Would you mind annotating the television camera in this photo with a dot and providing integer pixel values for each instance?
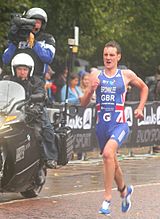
(20, 28)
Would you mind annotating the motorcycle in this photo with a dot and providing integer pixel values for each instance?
(20, 164)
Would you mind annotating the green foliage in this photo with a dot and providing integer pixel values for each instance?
(134, 24)
(7, 8)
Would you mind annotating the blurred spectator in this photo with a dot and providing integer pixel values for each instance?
(60, 82)
(80, 74)
(128, 94)
(151, 83)
(94, 69)
(84, 83)
(74, 91)
(157, 85)
(50, 86)
(156, 149)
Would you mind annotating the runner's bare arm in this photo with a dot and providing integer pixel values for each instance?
(134, 80)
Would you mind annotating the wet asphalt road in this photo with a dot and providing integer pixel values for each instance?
(76, 192)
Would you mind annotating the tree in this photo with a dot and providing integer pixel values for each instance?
(7, 8)
(134, 24)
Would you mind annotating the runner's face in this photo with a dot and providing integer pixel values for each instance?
(110, 57)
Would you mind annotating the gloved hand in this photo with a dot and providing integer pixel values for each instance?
(24, 32)
(19, 33)
(12, 35)
(27, 27)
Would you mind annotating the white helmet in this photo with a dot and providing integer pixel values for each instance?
(22, 59)
(37, 13)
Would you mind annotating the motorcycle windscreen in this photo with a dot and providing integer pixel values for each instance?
(10, 93)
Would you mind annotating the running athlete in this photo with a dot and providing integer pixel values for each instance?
(112, 129)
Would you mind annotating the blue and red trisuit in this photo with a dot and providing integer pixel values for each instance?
(110, 99)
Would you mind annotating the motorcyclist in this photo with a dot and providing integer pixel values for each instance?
(31, 39)
(22, 67)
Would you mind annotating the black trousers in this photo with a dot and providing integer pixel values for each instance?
(49, 149)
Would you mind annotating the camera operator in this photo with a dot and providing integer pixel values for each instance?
(27, 35)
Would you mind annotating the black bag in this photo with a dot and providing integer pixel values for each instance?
(64, 143)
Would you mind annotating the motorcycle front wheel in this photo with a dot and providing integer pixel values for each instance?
(32, 192)
(39, 182)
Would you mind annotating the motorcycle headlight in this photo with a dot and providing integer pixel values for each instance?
(2, 121)
(5, 121)
(10, 118)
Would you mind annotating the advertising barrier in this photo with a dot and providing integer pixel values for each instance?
(144, 132)
(82, 124)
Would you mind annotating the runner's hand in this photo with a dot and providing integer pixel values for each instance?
(94, 82)
(138, 113)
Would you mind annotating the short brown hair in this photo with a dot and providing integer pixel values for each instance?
(114, 44)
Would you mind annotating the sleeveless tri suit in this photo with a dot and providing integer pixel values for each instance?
(110, 99)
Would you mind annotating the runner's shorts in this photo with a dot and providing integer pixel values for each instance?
(106, 131)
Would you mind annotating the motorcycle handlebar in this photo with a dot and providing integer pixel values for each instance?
(21, 105)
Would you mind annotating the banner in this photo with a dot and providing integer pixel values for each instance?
(144, 132)
(82, 124)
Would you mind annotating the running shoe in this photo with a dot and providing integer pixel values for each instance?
(105, 209)
(126, 202)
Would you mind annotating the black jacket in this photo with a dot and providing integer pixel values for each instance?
(33, 85)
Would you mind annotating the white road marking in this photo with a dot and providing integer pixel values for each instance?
(74, 194)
